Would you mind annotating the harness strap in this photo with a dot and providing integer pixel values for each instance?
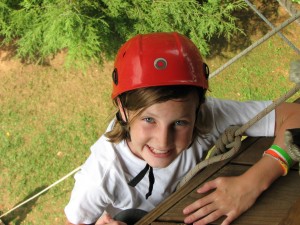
(134, 181)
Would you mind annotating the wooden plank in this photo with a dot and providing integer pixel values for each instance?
(274, 203)
(189, 187)
(293, 216)
(254, 152)
(269, 209)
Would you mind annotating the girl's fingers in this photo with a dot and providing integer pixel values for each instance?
(208, 186)
(209, 218)
(203, 212)
(200, 203)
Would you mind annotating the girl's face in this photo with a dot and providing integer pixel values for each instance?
(162, 131)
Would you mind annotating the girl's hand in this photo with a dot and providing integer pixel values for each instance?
(106, 219)
(231, 197)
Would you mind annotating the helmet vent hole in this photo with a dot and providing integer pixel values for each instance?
(206, 70)
(160, 63)
(115, 76)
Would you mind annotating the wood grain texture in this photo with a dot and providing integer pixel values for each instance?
(270, 208)
(293, 215)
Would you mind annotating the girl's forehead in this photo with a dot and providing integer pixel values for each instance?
(175, 106)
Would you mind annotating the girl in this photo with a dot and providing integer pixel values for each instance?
(163, 127)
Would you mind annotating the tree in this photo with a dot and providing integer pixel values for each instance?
(93, 30)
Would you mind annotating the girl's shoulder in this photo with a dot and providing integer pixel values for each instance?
(216, 104)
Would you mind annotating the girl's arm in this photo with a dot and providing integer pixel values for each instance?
(234, 195)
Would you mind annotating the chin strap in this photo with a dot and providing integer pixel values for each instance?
(140, 176)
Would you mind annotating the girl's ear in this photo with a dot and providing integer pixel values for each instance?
(121, 110)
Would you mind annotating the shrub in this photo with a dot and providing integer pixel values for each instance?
(93, 30)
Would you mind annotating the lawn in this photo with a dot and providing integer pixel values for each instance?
(50, 116)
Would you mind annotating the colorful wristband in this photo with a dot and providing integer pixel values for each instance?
(283, 165)
(276, 155)
(283, 154)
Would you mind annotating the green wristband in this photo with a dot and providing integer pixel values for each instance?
(284, 154)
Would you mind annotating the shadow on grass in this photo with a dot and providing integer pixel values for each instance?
(21, 213)
(251, 24)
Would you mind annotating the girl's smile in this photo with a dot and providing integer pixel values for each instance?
(162, 131)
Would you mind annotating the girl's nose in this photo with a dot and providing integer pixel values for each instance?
(164, 138)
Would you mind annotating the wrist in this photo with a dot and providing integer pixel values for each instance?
(281, 156)
(262, 174)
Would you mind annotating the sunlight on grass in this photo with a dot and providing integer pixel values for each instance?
(262, 74)
(50, 117)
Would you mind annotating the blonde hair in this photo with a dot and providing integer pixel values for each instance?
(139, 99)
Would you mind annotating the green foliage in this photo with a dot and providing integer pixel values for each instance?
(4, 17)
(93, 30)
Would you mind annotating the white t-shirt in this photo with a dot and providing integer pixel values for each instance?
(101, 184)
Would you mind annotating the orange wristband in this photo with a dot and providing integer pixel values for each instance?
(282, 163)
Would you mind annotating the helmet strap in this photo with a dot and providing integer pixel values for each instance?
(141, 175)
(121, 114)
(120, 120)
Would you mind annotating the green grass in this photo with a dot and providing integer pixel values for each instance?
(262, 74)
(50, 117)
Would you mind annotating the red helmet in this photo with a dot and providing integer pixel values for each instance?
(158, 59)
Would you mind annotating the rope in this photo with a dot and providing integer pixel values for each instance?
(260, 41)
(231, 138)
(288, 6)
(272, 26)
(41, 192)
(292, 148)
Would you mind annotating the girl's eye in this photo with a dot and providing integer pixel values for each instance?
(149, 120)
(181, 123)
